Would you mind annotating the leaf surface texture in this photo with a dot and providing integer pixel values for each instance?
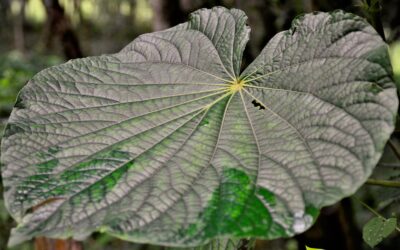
(166, 142)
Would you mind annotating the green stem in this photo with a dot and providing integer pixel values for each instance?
(369, 208)
(372, 210)
(383, 183)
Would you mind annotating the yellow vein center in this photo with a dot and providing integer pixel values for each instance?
(236, 85)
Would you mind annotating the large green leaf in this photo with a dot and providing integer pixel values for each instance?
(168, 143)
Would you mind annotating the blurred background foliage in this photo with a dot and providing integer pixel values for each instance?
(36, 34)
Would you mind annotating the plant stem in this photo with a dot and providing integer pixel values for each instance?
(369, 208)
(373, 210)
(383, 183)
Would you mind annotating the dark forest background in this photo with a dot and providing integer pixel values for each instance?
(35, 34)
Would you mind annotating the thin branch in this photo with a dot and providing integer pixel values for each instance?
(372, 210)
(383, 183)
(369, 208)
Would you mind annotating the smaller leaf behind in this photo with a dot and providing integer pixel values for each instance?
(377, 229)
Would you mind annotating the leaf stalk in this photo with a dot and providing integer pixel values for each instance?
(383, 183)
(376, 213)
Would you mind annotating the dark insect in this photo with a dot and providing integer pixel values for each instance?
(257, 104)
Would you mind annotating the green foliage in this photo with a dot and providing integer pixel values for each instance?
(384, 194)
(168, 142)
(377, 229)
(15, 71)
(371, 6)
(388, 168)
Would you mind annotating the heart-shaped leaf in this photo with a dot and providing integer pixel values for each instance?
(377, 229)
(168, 143)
